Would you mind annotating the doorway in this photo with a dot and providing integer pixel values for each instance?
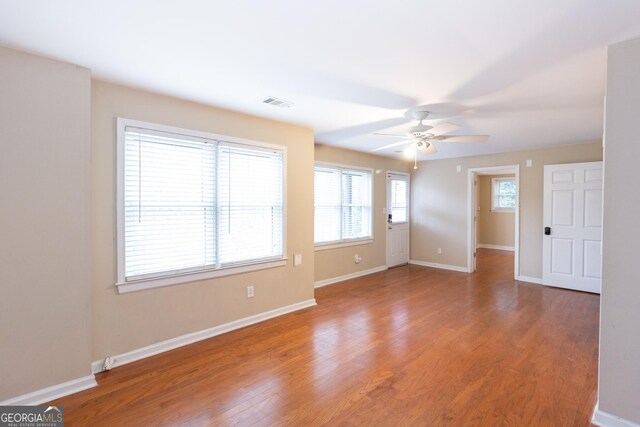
(494, 212)
(397, 218)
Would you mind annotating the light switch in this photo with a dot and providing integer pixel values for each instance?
(297, 259)
(529, 163)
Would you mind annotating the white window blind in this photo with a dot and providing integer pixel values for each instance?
(327, 204)
(169, 203)
(250, 204)
(342, 202)
(192, 204)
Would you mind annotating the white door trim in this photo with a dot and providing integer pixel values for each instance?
(386, 210)
(471, 204)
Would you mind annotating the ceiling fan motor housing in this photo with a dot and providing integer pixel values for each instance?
(419, 130)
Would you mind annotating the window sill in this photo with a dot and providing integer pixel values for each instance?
(343, 244)
(503, 210)
(139, 285)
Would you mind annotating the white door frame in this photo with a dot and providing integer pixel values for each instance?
(386, 210)
(471, 212)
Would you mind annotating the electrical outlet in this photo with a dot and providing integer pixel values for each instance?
(439, 251)
(357, 259)
(249, 291)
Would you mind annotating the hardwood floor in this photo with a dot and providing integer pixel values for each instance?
(408, 346)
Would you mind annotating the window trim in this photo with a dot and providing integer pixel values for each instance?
(494, 180)
(125, 286)
(334, 244)
(344, 244)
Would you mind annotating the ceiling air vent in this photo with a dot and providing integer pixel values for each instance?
(276, 102)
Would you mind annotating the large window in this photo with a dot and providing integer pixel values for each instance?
(342, 201)
(503, 194)
(191, 203)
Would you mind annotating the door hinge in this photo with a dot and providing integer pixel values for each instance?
(474, 254)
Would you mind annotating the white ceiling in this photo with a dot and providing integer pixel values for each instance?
(529, 74)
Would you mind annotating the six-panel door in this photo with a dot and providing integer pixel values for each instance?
(573, 212)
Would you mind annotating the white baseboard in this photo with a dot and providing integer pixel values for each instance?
(55, 391)
(529, 279)
(331, 281)
(441, 266)
(498, 247)
(604, 419)
(186, 339)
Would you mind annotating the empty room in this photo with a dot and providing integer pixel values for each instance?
(290, 213)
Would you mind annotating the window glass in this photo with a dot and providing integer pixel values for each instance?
(398, 188)
(342, 201)
(192, 204)
(504, 194)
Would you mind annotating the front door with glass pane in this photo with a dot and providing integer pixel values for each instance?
(397, 219)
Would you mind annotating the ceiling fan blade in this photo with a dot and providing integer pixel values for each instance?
(360, 130)
(395, 144)
(462, 138)
(443, 128)
(389, 134)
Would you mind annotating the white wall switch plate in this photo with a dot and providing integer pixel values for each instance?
(297, 259)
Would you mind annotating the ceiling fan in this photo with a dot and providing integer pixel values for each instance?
(423, 136)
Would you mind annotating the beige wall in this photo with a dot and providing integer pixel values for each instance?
(44, 244)
(619, 385)
(125, 322)
(439, 203)
(494, 228)
(332, 263)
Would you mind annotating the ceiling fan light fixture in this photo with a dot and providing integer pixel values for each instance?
(409, 152)
(422, 144)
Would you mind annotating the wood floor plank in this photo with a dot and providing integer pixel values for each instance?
(408, 346)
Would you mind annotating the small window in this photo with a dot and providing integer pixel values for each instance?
(399, 192)
(342, 204)
(503, 194)
(193, 206)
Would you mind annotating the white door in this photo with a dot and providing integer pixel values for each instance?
(397, 218)
(572, 226)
